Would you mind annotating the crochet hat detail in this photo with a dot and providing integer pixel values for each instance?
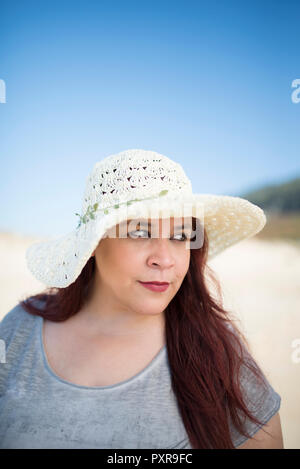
(136, 184)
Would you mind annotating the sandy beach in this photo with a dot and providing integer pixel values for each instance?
(261, 286)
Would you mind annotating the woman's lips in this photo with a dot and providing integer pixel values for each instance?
(155, 287)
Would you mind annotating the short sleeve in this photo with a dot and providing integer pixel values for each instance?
(262, 401)
(13, 327)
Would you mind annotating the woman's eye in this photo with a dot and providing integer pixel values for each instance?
(182, 236)
(133, 234)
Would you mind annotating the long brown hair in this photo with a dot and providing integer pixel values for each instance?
(205, 349)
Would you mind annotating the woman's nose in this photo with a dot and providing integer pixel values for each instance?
(161, 252)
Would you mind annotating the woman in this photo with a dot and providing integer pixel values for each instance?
(104, 358)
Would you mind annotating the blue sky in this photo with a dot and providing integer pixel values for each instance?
(207, 84)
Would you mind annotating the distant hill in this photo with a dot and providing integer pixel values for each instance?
(278, 199)
(281, 204)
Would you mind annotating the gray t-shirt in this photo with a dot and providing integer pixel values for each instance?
(38, 409)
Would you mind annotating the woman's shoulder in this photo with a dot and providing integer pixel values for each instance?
(15, 320)
(16, 330)
(15, 315)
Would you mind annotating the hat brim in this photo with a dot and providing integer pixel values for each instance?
(226, 219)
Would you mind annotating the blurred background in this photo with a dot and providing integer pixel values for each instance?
(211, 85)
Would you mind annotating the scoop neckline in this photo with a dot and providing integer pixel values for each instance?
(134, 378)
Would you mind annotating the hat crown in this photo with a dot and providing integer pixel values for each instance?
(133, 174)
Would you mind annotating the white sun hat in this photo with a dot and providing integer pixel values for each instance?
(136, 184)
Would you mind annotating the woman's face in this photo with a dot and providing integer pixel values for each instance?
(122, 262)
